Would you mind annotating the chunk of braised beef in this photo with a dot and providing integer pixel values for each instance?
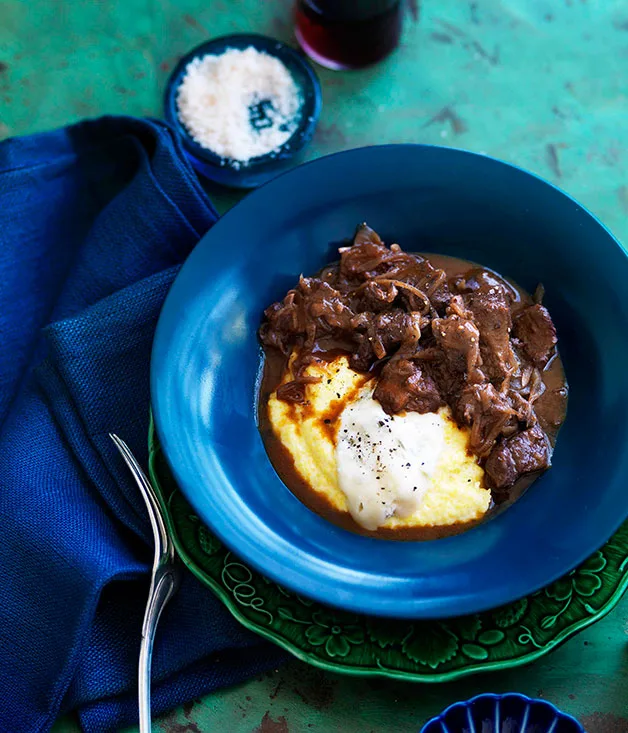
(500, 467)
(394, 328)
(450, 381)
(531, 450)
(325, 306)
(525, 452)
(408, 330)
(491, 313)
(284, 323)
(366, 257)
(440, 298)
(363, 358)
(535, 332)
(422, 275)
(376, 297)
(489, 415)
(481, 280)
(311, 309)
(392, 331)
(404, 385)
(427, 277)
(459, 340)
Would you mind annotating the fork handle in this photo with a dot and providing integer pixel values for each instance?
(162, 587)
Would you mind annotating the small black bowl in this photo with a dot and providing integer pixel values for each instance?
(264, 167)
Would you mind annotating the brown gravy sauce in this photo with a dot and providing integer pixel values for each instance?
(550, 409)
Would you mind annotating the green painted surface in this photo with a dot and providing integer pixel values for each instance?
(588, 677)
(541, 83)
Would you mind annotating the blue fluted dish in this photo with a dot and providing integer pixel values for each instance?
(206, 362)
(261, 169)
(509, 713)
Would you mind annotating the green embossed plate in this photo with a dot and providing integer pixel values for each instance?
(425, 651)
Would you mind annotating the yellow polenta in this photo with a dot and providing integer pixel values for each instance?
(457, 492)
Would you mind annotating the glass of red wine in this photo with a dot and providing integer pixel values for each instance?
(348, 34)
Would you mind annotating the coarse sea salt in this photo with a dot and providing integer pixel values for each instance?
(240, 104)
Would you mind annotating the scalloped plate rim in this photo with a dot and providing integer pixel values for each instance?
(330, 666)
(560, 715)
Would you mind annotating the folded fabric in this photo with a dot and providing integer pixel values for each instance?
(94, 221)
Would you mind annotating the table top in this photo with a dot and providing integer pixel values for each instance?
(540, 83)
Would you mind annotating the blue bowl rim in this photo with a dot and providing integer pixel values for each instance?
(498, 698)
(311, 109)
(293, 579)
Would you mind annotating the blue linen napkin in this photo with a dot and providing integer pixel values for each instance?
(94, 221)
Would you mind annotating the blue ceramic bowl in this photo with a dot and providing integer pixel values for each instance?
(510, 713)
(206, 364)
(261, 169)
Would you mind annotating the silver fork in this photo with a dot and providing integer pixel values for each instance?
(163, 583)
